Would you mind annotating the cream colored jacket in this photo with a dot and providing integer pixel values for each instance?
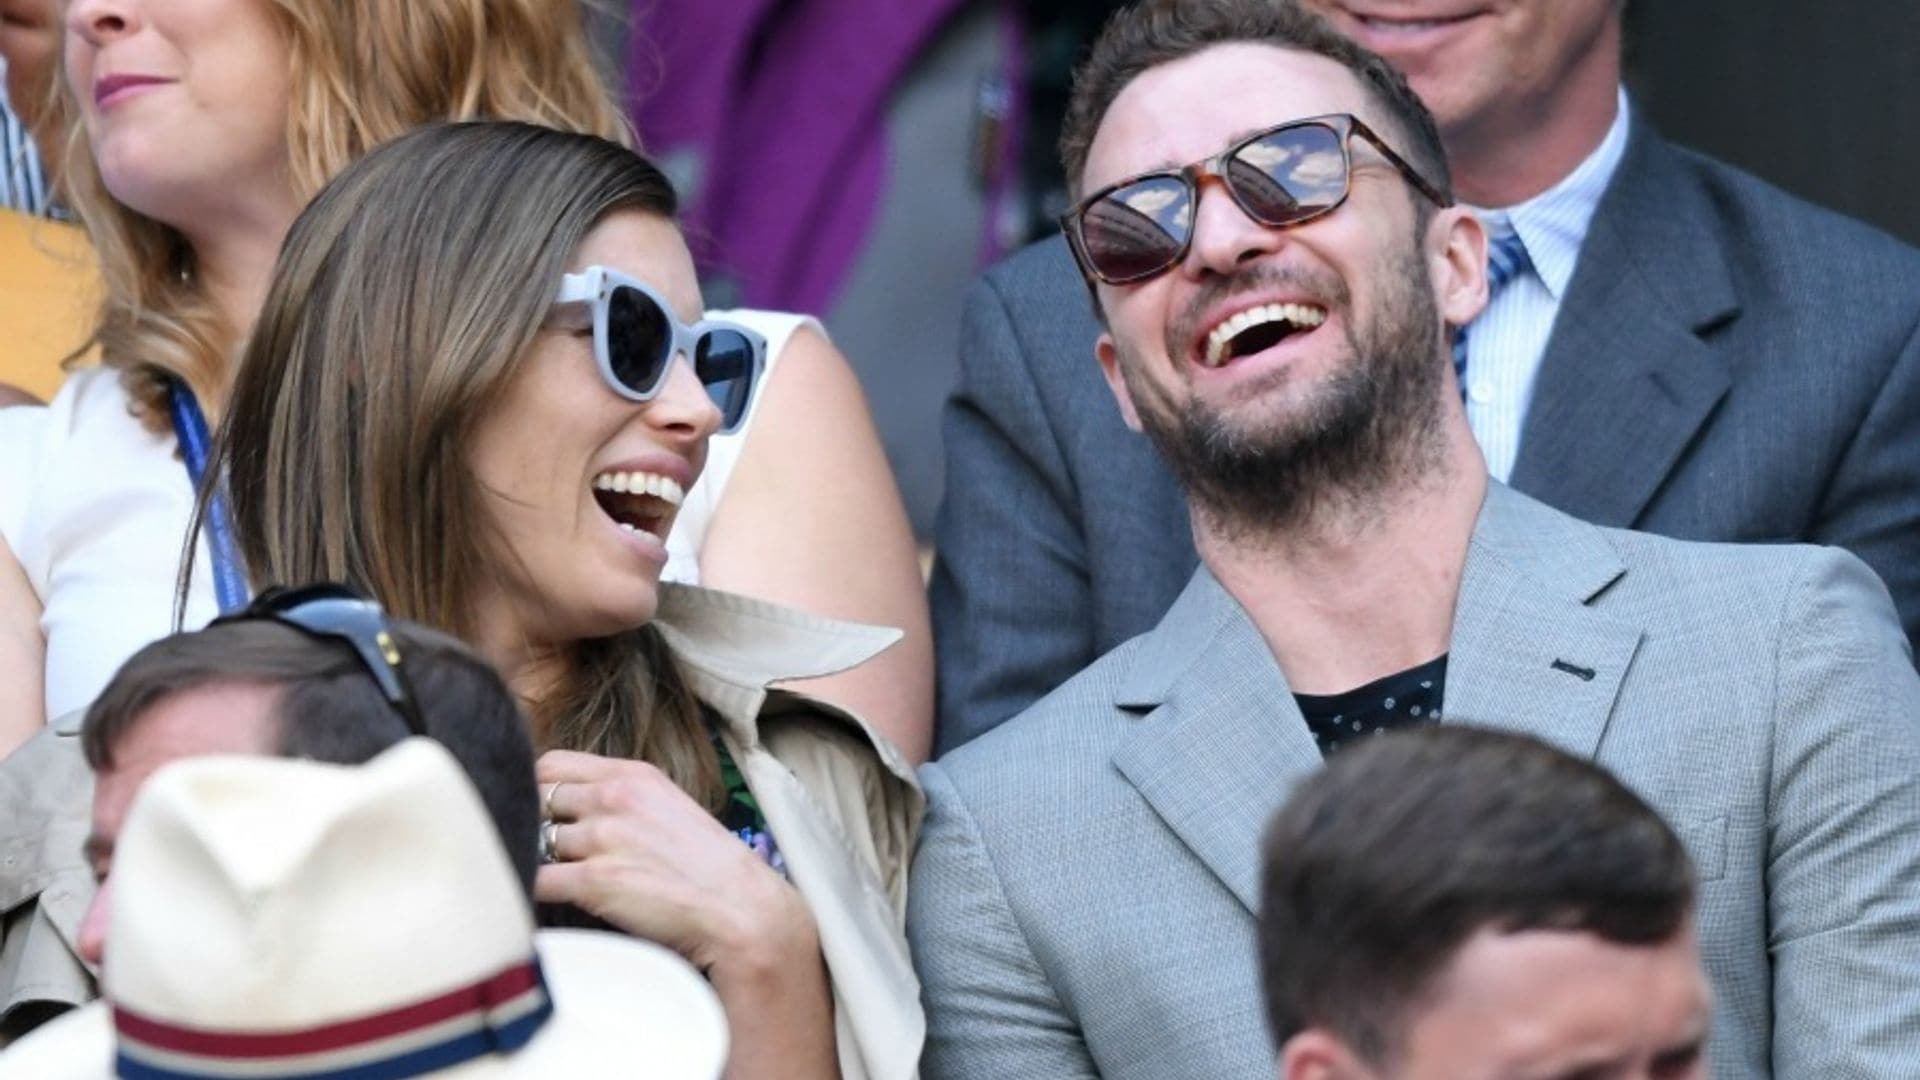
(840, 801)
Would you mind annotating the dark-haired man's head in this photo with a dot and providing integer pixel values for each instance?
(259, 687)
(1276, 366)
(1152, 33)
(1458, 904)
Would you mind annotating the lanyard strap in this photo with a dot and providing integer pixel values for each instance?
(190, 427)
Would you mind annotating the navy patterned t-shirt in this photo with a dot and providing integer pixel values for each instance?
(1402, 700)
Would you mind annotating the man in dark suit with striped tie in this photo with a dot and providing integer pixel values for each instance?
(1678, 348)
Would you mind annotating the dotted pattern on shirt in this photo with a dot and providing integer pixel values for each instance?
(1402, 700)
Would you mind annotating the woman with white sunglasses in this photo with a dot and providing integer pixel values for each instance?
(480, 377)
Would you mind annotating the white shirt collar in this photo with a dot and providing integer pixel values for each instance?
(1553, 224)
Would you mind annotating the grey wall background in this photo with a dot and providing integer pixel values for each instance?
(1821, 97)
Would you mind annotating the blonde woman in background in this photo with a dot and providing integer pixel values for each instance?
(196, 131)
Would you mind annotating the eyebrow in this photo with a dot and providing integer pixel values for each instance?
(1238, 137)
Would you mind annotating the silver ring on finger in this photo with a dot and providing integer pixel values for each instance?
(546, 801)
(549, 842)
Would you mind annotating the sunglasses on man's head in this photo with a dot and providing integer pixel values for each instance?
(636, 337)
(331, 612)
(1282, 177)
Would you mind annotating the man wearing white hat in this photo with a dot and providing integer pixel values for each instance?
(280, 918)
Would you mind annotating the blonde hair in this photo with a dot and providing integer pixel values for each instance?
(364, 72)
(406, 297)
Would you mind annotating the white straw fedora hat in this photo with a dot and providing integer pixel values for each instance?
(276, 919)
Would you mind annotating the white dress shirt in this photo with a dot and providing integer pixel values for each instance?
(1506, 342)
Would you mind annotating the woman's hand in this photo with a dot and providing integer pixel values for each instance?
(630, 847)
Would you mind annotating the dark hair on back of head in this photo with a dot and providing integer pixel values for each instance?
(1150, 33)
(330, 709)
(1382, 865)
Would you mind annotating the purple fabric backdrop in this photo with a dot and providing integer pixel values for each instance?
(783, 105)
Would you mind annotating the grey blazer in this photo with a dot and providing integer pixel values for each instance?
(1729, 363)
(1082, 903)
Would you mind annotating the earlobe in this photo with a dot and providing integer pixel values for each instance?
(1460, 265)
(1108, 354)
(1315, 1054)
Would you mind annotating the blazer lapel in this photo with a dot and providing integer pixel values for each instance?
(1627, 381)
(1528, 652)
(1221, 742)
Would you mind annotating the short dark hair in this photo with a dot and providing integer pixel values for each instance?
(330, 709)
(1384, 863)
(1150, 33)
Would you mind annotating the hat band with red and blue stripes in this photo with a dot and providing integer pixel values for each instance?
(496, 1015)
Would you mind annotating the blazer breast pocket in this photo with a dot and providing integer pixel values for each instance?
(1706, 844)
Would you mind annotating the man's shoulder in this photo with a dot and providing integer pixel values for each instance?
(1740, 597)
(1725, 597)
(1775, 235)
(1040, 293)
(1043, 267)
(1057, 741)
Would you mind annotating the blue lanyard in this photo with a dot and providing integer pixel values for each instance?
(190, 426)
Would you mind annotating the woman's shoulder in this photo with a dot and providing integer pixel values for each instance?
(91, 419)
(68, 468)
(92, 403)
(89, 407)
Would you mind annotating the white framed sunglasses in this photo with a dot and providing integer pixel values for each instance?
(636, 337)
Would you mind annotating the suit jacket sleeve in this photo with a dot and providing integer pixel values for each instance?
(1844, 852)
(1872, 505)
(991, 1012)
(1011, 597)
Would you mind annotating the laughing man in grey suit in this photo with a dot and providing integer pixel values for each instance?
(1082, 900)
(1686, 351)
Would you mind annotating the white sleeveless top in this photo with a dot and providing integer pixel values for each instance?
(95, 508)
(689, 535)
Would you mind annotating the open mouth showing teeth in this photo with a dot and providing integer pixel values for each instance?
(639, 501)
(1258, 329)
(1409, 26)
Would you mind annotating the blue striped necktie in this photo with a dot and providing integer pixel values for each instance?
(1506, 258)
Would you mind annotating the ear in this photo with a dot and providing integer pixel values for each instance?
(1109, 356)
(1457, 260)
(1318, 1054)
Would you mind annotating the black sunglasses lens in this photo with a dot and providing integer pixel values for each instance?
(639, 339)
(1137, 230)
(723, 360)
(1291, 175)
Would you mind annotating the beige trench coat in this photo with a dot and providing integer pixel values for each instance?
(840, 801)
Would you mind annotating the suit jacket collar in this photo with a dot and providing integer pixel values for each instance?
(1627, 380)
(1222, 742)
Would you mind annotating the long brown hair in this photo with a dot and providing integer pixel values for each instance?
(364, 71)
(406, 297)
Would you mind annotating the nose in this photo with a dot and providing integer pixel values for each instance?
(681, 411)
(100, 21)
(1224, 237)
(92, 938)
